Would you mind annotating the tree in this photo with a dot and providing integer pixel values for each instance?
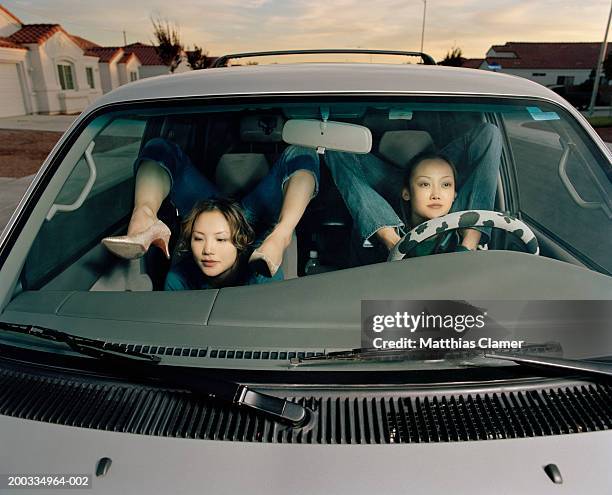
(454, 57)
(169, 46)
(198, 58)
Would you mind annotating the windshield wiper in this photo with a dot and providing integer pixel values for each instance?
(238, 395)
(82, 345)
(562, 364)
(371, 354)
(225, 390)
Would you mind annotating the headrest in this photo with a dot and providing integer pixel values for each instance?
(262, 129)
(399, 147)
(238, 173)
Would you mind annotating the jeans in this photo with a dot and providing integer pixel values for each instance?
(371, 188)
(188, 185)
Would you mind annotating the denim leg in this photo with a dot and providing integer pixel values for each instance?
(369, 187)
(187, 184)
(479, 153)
(263, 204)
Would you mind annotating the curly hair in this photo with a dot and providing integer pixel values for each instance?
(242, 234)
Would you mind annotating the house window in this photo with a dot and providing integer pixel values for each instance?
(565, 80)
(133, 76)
(65, 76)
(90, 77)
(539, 74)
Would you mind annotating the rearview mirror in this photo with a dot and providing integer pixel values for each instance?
(338, 136)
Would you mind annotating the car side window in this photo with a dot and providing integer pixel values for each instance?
(564, 186)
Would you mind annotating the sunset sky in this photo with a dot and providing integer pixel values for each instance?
(225, 26)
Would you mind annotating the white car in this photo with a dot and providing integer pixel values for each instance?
(108, 381)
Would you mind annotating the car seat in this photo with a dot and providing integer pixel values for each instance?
(399, 147)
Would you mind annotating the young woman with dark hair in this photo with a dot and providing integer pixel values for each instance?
(273, 208)
(375, 191)
(214, 249)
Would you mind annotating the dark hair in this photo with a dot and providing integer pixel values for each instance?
(410, 168)
(242, 234)
(421, 157)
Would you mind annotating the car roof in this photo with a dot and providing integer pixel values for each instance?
(327, 78)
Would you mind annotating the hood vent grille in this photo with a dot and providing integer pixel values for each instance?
(199, 352)
(348, 419)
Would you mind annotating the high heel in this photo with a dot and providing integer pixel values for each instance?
(263, 265)
(134, 246)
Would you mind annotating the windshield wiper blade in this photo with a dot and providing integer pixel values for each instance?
(581, 366)
(82, 345)
(235, 393)
(372, 354)
(361, 354)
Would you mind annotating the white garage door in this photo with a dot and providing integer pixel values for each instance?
(11, 99)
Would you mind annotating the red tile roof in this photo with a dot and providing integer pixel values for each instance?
(6, 43)
(36, 33)
(11, 15)
(547, 55)
(106, 54)
(472, 63)
(127, 56)
(83, 43)
(147, 54)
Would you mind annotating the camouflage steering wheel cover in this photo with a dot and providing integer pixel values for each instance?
(461, 220)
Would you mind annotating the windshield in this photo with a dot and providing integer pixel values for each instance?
(244, 234)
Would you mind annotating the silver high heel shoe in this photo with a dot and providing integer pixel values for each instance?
(135, 246)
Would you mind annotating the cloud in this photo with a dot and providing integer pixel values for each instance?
(224, 26)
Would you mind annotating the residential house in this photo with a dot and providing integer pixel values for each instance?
(120, 65)
(44, 69)
(14, 80)
(151, 63)
(473, 63)
(117, 67)
(550, 64)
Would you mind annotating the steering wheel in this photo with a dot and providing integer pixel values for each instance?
(464, 220)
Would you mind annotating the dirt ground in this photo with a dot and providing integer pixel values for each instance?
(22, 152)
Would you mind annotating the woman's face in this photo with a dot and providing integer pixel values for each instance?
(211, 243)
(432, 190)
